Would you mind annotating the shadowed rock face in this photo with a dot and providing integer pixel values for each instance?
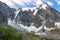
(27, 17)
(49, 15)
(6, 12)
(50, 24)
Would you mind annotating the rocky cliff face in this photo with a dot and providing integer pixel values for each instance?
(35, 17)
(6, 11)
(47, 14)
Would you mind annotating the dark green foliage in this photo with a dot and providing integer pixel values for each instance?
(8, 34)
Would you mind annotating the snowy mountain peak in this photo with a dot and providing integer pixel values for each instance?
(26, 19)
(44, 6)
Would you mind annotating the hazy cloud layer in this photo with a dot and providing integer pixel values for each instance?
(27, 3)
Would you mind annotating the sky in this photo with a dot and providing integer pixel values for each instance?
(32, 3)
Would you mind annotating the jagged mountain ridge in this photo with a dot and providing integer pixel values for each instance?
(30, 17)
(46, 13)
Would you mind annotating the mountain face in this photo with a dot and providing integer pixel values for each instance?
(39, 16)
(6, 11)
(47, 14)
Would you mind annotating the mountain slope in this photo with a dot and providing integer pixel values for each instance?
(8, 33)
(6, 11)
(38, 15)
(35, 19)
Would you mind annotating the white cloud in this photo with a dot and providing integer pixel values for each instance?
(38, 2)
(58, 2)
(7, 2)
(50, 3)
(24, 2)
(17, 2)
(21, 2)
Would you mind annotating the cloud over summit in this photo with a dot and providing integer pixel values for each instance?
(25, 3)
